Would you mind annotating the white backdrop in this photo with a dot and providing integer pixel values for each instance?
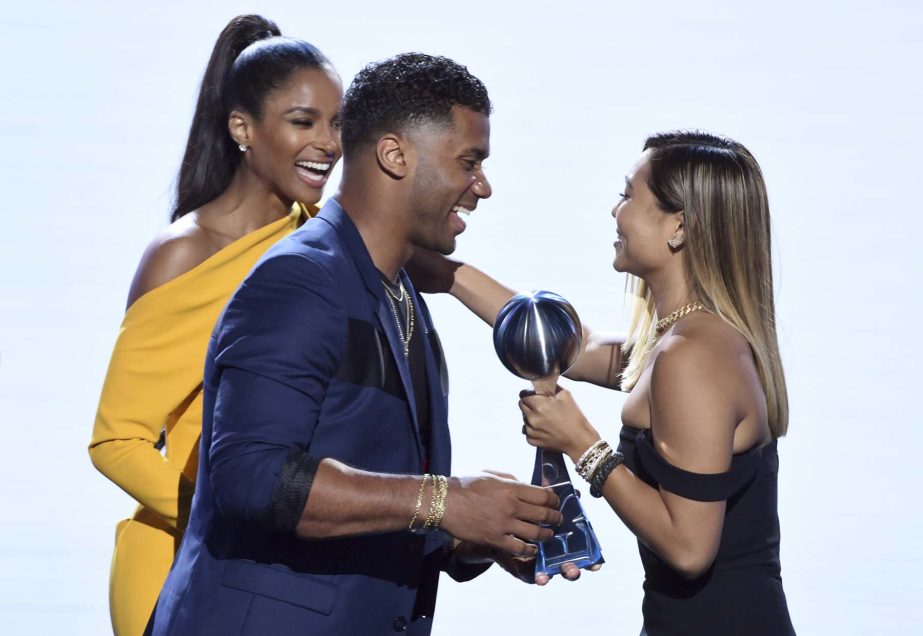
(96, 102)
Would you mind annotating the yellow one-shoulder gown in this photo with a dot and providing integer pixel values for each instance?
(153, 392)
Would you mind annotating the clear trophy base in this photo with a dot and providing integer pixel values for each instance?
(574, 540)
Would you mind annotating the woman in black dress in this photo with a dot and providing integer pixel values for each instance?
(694, 472)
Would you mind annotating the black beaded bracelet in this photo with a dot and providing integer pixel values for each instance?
(602, 473)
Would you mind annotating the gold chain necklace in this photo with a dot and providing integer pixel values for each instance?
(393, 300)
(664, 323)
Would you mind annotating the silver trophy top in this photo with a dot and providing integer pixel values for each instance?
(538, 336)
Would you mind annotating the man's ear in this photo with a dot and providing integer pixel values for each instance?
(394, 155)
(240, 126)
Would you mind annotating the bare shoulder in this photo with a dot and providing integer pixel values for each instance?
(695, 392)
(706, 344)
(177, 249)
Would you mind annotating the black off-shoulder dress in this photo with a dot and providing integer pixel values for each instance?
(741, 594)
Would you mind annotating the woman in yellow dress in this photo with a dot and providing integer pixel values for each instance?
(263, 141)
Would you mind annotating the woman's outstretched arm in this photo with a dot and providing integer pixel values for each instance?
(600, 363)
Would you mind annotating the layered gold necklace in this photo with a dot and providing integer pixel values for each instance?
(664, 323)
(394, 300)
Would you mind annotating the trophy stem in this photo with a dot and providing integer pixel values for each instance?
(545, 386)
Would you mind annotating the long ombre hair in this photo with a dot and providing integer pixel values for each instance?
(719, 186)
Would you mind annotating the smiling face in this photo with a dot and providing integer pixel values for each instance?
(643, 227)
(295, 143)
(448, 178)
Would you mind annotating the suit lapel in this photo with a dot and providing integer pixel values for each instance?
(437, 381)
(334, 214)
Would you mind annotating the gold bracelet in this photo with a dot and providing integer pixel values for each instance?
(437, 503)
(591, 470)
(591, 458)
(416, 510)
(434, 493)
(581, 463)
(440, 504)
(430, 522)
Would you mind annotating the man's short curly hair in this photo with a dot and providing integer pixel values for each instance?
(407, 90)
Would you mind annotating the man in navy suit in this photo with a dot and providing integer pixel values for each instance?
(322, 505)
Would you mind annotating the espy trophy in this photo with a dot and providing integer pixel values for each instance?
(538, 337)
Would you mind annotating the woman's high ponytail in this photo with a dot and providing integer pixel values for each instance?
(211, 156)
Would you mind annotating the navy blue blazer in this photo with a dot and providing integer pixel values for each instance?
(306, 362)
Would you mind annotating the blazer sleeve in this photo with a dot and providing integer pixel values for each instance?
(276, 348)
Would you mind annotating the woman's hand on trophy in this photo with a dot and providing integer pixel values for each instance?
(556, 423)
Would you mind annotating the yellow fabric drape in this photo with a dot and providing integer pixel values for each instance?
(154, 385)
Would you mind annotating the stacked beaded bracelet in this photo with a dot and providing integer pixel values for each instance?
(589, 458)
(602, 472)
(436, 503)
(596, 464)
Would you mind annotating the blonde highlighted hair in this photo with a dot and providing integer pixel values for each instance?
(719, 187)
